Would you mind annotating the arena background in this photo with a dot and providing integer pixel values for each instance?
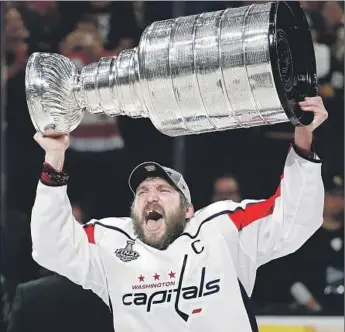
(300, 292)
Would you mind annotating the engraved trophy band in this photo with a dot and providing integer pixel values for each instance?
(235, 68)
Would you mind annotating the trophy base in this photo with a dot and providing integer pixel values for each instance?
(292, 59)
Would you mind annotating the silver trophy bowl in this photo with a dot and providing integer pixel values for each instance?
(236, 68)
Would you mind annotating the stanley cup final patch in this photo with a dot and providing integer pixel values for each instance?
(127, 254)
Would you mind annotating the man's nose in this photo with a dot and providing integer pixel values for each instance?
(152, 197)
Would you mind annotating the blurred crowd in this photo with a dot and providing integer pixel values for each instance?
(233, 164)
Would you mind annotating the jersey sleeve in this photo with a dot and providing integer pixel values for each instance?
(275, 227)
(62, 245)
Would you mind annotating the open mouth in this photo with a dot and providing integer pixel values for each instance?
(153, 221)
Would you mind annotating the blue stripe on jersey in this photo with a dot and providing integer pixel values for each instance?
(248, 306)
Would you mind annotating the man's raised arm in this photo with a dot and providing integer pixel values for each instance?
(281, 224)
(60, 243)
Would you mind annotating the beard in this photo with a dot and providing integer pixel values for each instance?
(175, 224)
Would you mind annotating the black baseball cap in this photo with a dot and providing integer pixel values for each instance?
(153, 169)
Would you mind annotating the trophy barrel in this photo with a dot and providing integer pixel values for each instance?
(237, 68)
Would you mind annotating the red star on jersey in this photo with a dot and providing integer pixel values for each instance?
(156, 276)
(141, 278)
(172, 274)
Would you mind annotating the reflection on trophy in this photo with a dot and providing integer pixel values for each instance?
(236, 68)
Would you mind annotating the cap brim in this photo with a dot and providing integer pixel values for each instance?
(147, 170)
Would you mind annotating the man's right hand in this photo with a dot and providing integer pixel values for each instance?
(55, 148)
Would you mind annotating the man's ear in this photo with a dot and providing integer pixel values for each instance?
(190, 211)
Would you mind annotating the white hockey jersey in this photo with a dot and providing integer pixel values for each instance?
(202, 281)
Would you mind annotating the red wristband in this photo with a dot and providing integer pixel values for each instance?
(51, 177)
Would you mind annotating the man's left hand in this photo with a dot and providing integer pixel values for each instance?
(315, 105)
(304, 134)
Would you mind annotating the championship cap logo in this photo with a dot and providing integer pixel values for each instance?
(127, 254)
(150, 168)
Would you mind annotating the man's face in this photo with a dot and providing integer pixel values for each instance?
(334, 205)
(226, 188)
(158, 214)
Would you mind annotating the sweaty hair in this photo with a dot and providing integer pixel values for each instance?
(183, 200)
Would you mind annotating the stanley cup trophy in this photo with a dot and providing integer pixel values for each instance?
(236, 68)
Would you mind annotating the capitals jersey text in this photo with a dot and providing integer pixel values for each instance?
(202, 281)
